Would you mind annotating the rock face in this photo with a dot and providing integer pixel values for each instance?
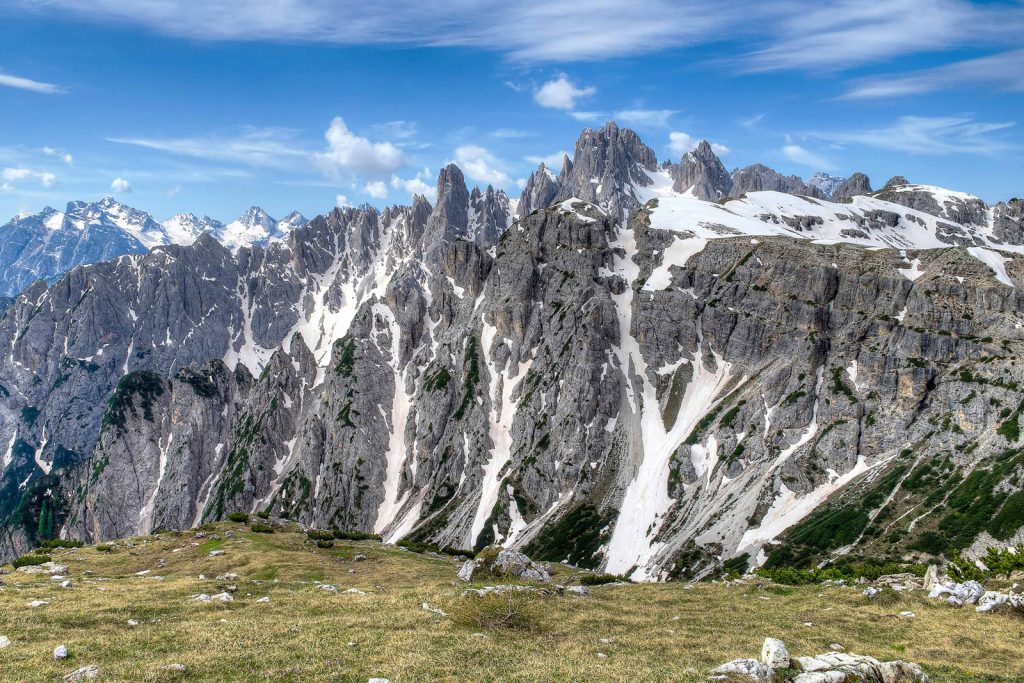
(701, 174)
(857, 184)
(758, 177)
(647, 394)
(826, 183)
(540, 191)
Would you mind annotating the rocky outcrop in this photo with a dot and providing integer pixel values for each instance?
(857, 184)
(701, 174)
(776, 665)
(758, 178)
(539, 192)
(607, 166)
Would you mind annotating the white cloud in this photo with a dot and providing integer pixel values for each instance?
(12, 174)
(1004, 70)
(51, 152)
(751, 121)
(173, 192)
(552, 161)
(652, 118)
(376, 189)
(482, 166)
(589, 115)
(825, 35)
(12, 81)
(561, 93)
(416, 185)
(15, 173)
(341, 201)
(805, 157)
(349, 153)
(931, 135)
(120, 185)
(511, 134)
(679, 143)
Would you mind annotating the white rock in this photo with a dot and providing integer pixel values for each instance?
(836, 647)
(821, 677)
(202, 597)
(86, 672)
(580, 591)
(871, 592)
(4, 642)
(264, 599)
(466, 572)
(954, 601)
(810, 664)
(132, 622)
(435, 610)
(751, 668)
(378, 680)
(774, 654)
(60, 652)
(65, 584)
(908, 615)
(328, 587)
(181, 668)
(990, 601)
(222, 597)
(601, 655)
(38, 603)
(216, 553)
(356, 591)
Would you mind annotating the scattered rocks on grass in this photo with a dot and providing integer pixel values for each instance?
(776, 666)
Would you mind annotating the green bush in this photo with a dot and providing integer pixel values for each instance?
(317, 535)
(30, 560)
(324, 544)
(600, 579)
(263, 514)
(421, 547)
(355, 536)
(104, 547)
(240, 517)
(262, 528)
(60, 543)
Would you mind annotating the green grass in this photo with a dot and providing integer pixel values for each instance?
(658, 632)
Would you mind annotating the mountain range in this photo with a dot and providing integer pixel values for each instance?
(47, 244)
(655, 369)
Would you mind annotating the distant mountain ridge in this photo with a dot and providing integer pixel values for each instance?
(47, 244)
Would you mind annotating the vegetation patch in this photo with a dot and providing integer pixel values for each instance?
(575, 539)
(145, 385)
(30, 560)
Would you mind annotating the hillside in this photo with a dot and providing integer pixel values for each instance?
(650, 632)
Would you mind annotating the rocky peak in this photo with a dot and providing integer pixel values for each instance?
(701, 174)
(255, 216)
(489, 215)
(540, 190)
(607, 166)
(825, 183)
(856, 184)
(760, 178)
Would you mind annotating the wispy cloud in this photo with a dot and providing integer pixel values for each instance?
(261, 147)
(16, 173)
(806, 157)
(649, 118)
(929, 135)
(552, 161)
(679, 143)
(1004, 70)
(21, 83)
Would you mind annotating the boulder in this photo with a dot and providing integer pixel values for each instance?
(990, 601)
(505, 562)
(774, 654)
(467, 569)
(749, 669)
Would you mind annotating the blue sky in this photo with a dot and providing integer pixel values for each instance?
(187, 105)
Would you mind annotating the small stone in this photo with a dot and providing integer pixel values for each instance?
(749, 668)
(359, 557)
(202, 597)
(328, 587)
(264, 599)
(222, 597)
(60, 652)
(86, 672)
(216, 553)
(39, 603)
(908, 615)
(871, 592)
(4, 642)
(65, 584)
(836, 647)
(132, 622)
(181, 668)
(378, 680)
(774, 654)
(435, 610)
(602, 655)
